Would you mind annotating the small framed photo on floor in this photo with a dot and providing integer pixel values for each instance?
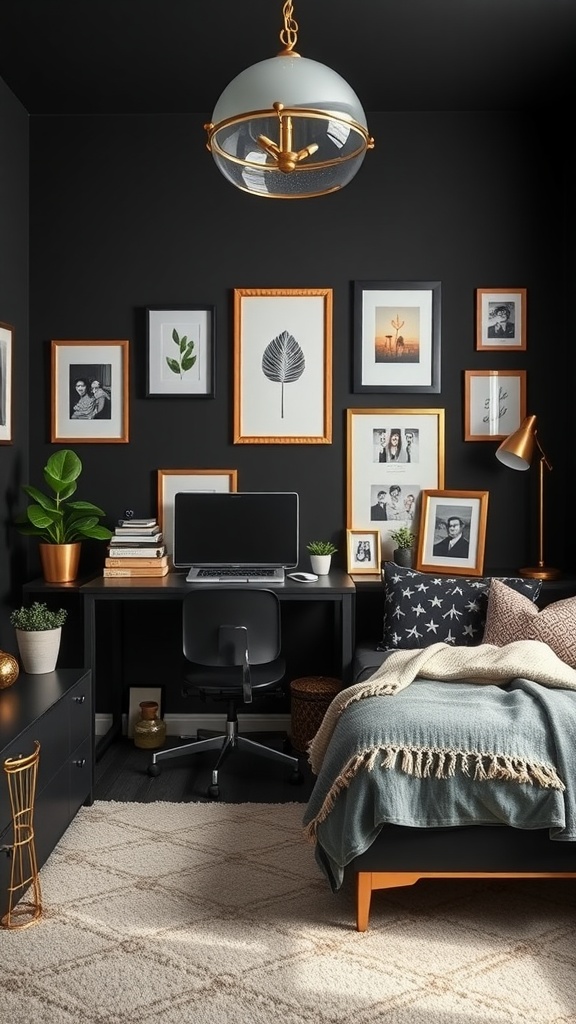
(363, 551)
(89, 392)
(452, 533)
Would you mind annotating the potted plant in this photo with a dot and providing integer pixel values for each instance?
(405, 542)
(61, 524)
(38, 633)
(321, 552)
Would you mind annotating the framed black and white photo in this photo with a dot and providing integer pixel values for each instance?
(181, 351)
(363, 551)
(6, 345)
(282, 366)
(392, 456)
(501, 319)
(90, 394)
(172, 481)
(452, 532)
(397, 336)
(494, 403)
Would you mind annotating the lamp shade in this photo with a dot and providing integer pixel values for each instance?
(517, 450)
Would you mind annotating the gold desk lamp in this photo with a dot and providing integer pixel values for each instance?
(517, 452)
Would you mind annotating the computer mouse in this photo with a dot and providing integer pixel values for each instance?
(303, 577)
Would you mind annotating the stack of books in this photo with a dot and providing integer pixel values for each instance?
(136, 549)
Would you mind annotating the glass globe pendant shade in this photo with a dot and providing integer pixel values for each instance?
(288, 128)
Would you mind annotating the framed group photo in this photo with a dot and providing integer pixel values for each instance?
(6, 345)
(181, 351)
(494, 403)
(501, 319)
(363, 551)
(392, 456)
(171, 481)
(90, 392)
(452, 532)
(397, 336)
(282, 366)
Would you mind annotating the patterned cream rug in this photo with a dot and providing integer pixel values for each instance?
(171, 913)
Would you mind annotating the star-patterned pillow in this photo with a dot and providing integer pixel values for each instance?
(422, 609)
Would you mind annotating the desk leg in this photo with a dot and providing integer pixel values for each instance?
(347, 634)
(101, 743)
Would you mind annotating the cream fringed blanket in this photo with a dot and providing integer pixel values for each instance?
(484, 664)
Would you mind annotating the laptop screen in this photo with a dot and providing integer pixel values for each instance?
(241, 528)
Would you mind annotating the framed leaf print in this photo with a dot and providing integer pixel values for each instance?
(181, 352)
(282, 366)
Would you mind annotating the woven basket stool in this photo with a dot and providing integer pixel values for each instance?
(310, 698)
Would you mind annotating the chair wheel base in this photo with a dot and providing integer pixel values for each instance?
(153, 770)
(214, 792)
(296, 778)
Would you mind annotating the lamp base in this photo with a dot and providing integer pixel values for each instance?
(540, 572)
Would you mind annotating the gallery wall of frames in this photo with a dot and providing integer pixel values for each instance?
(181, 333)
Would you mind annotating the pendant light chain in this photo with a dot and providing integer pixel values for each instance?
(289, 34)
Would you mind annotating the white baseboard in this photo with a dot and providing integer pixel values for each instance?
(185, 725)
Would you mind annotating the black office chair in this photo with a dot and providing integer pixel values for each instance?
(231, 638)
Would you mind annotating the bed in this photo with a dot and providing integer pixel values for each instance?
(453, 761)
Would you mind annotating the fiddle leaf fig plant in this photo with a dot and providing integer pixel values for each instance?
(321, 547)
(55, 519)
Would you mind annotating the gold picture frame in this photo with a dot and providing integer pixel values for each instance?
(501, 319)
(452, 534)
(363, 551)
(90, 392)
(282, 366)
(171, 481)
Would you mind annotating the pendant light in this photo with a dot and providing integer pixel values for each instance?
(288, 127)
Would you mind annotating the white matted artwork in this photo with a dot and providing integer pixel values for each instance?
(453, 532)
(501, 319)
(363, 549)
(181, 351)
(392, 456)
(172, 481)
(6, 338)
(90, 392)
(282, 366)
(495, 403)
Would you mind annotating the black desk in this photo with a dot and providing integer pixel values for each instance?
(336, 588)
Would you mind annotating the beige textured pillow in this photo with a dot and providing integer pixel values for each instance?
(511, 616)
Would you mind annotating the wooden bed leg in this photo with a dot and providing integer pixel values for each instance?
(363, 897)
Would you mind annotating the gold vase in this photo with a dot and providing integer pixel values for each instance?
(60, 561)
(9, 669)
(149, 728)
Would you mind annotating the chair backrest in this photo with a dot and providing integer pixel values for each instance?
(205, 611)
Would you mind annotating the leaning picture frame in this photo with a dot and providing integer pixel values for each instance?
(171, 481)
(494, 403)
(392, 456)
(6, 347)
(452, 533)
(89, 392)
(363, 551)
(282, 366)
(180, 351)
(501, 319)
(397, 336)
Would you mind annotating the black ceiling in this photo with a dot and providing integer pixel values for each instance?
(69, 57)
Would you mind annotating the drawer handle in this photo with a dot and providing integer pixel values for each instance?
(80, 700)
(80, 763)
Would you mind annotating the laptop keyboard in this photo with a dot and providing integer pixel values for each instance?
(243, 573)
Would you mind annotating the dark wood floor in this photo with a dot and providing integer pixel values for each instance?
(121, 774)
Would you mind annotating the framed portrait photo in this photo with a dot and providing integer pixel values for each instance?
(501, 319)
(363, 551)
(392, 456)
(6, 346)
(452, 532)
(90, 391)
(171, 481)
(181, 352)
(494, 403)
(282, 366)
(397, 336)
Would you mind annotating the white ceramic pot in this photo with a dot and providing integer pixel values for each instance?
(320, 564)
(39, 649)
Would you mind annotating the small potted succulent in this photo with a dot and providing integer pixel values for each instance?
(38, 633)
(405, 542)
(321, 552)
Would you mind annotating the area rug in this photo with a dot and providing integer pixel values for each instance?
(169, 913)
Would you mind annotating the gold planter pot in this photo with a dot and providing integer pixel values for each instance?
(60, 561)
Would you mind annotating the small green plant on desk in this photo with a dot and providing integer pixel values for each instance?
(403, 537)
(321, 547)
(37, 617)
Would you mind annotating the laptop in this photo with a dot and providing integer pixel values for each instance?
(236, 537)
